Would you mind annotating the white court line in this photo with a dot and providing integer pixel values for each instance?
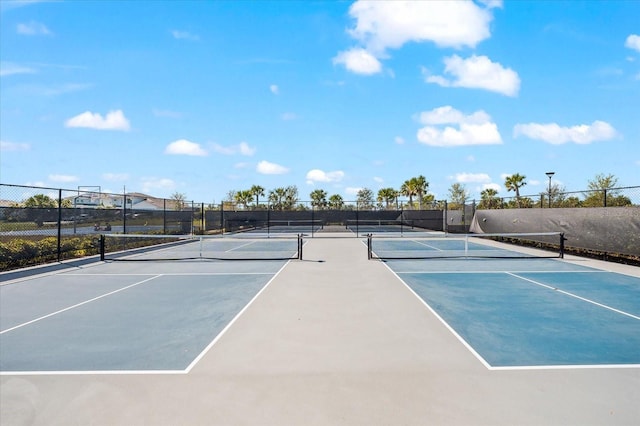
(241, 245)
(146, 372)
(497, 272)
(427, 245)
(177, 274)
(78, 304)
(480, 358)
(584, 299)
(224, 330)
(446, 324)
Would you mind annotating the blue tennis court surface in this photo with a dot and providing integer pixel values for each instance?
(124, 318)
(532, 312)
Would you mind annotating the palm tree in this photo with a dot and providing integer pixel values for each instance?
(257, 191)
(318, 198)
(276, 197)
(408, 189)
(514, 183)
(336, 202)
(489, 199)
(388, 195)
(291, 196)
(421, 187)
(244, 198)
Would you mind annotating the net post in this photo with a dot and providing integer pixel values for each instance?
(369, 248)
(562, 240)
(102, 247)
(300, 246)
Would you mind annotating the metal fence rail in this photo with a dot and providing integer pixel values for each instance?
(40, 225)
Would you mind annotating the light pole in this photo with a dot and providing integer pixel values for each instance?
(550, 174)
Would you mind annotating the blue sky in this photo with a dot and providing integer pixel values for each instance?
(206, 97)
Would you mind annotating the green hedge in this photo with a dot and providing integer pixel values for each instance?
(23, 252)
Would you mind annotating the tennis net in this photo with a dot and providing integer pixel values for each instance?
(364, 226)
(138, 247)
(273, 226)
(467, 246)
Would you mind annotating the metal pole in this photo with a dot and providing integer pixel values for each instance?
(550, 174)
(59, 221)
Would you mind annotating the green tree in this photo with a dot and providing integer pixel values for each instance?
(41, 201)
(243, 197)
(257, 191)
(458, 195)
(421, 186)
(365, 199)
(489, 199)
(388, 196)
(514, 183)
(602, 192)
(276, 198)
(291, 197)
(318, 198)
(409, 189)
(336, 202)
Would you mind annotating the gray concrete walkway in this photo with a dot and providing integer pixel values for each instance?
(334, 339)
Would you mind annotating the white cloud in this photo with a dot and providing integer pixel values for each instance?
(495, 186)
(33, 28)
(390, 24)
(7, 146)
(63, 178)
(242, 148)
(317, 175)
(477, 72)
(115, 177)
(474, 129)
(245, 149)
(267, 168)
(151, 184)
(114, 120)
(555, 134)
(399, 140)
(352, 190)
(472, 178)
(274, 89)
(359, 61)
(184, 35)
(166, 113)
(185, 147)
(9, 68)
(633, 42)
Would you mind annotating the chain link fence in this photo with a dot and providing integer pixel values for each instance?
(40, 225)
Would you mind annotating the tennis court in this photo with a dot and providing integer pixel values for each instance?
(332, 338)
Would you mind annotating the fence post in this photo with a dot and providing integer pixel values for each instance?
(124, 214)
(445, 225)
(605, 197)
(222, 217)
(59, 223)
(203, 226)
